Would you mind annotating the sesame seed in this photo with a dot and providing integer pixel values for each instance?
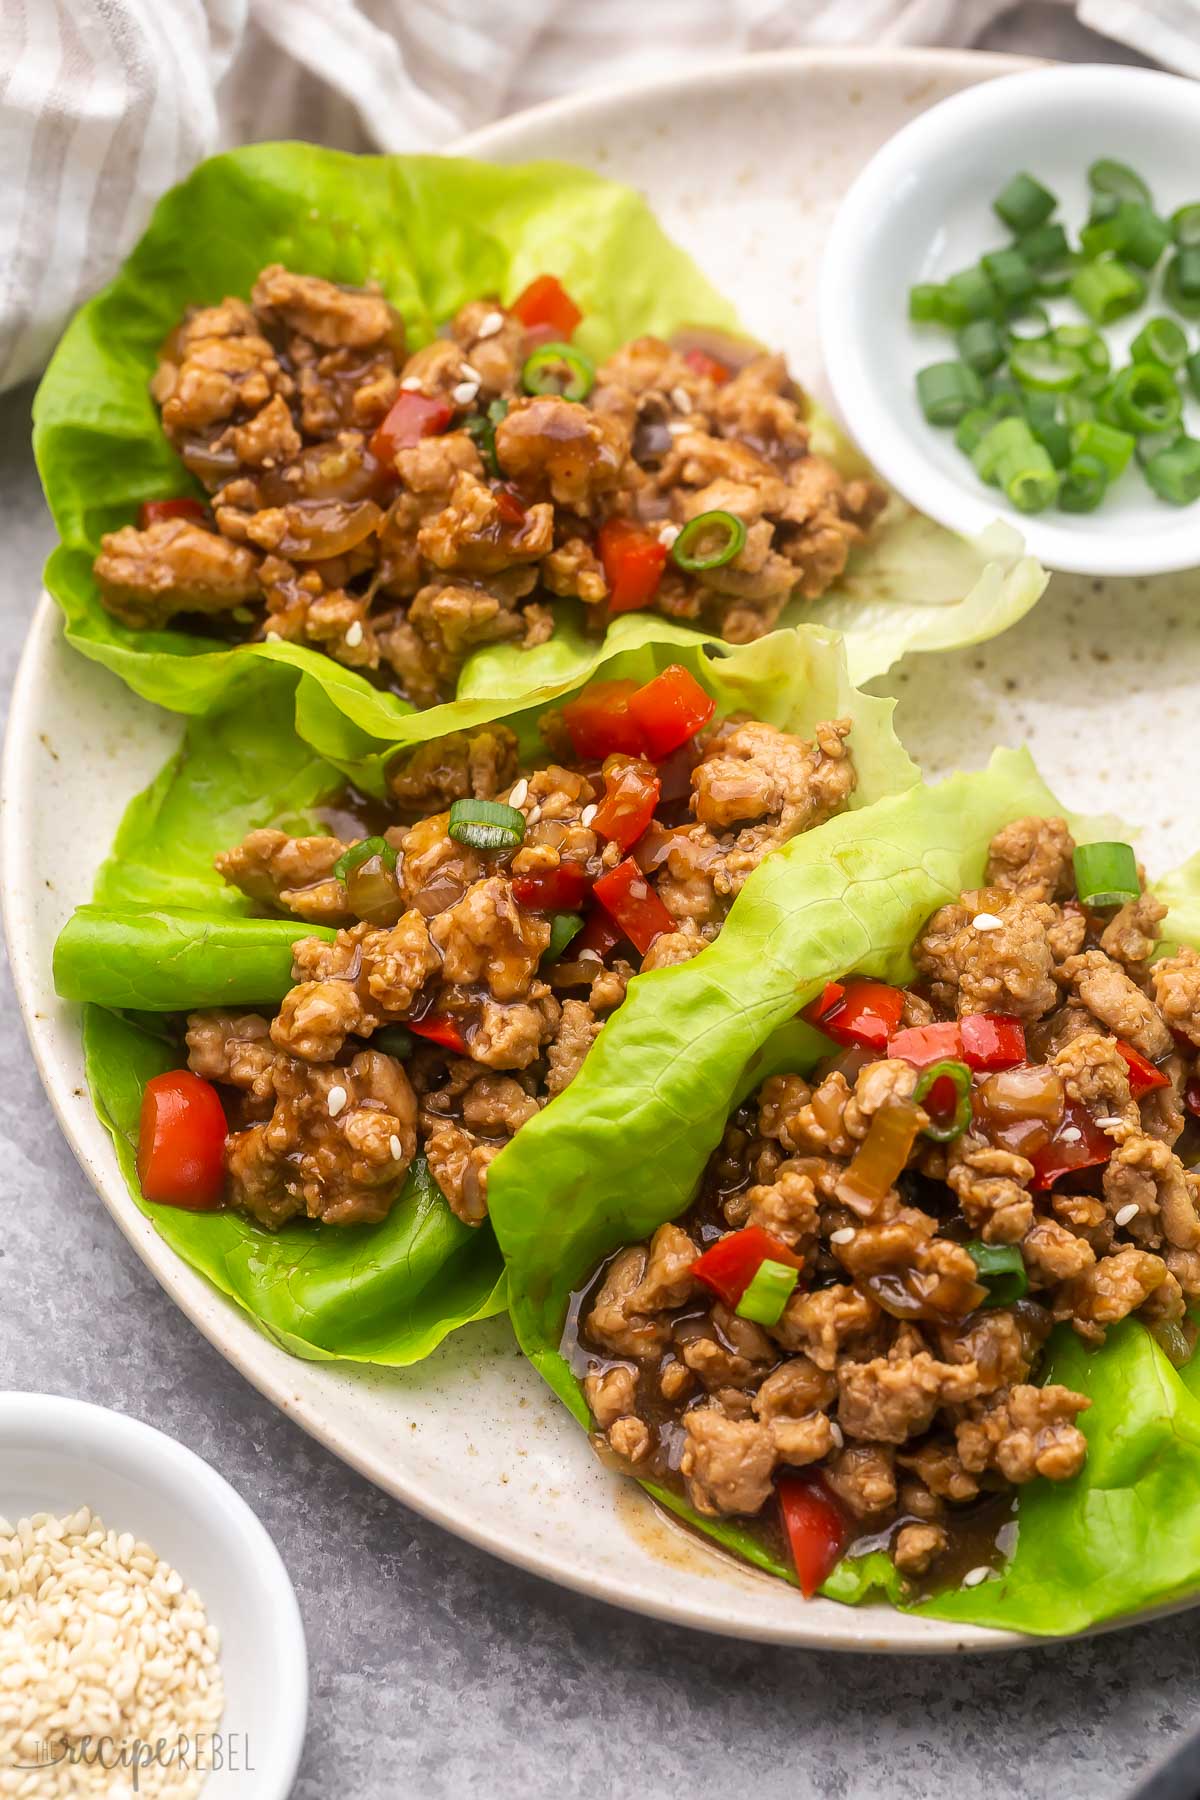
(335, 1100)
(1107, 1124)
(679, 427)
(533, 815)
(411, 384)
(667, 534)
(354, 635)
(1126, 1213)
(588, 814)
(835, 1433)
(973, 1577)
(681, 400)
(842, 1236)
(1071, 1135)
(519, 794)
(396, 1148)
(490, 324)
(465, 392)
(468, 373)
(986, 922)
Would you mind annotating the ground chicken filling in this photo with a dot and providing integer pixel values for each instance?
(500, 966)
(892, 1402)
(395, 511)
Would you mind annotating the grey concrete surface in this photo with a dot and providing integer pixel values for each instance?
(438, 1672)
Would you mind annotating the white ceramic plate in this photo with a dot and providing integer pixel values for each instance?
(746, 166)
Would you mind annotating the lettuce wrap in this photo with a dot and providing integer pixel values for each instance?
(655, 1094)
(433, 232)
(164, 934)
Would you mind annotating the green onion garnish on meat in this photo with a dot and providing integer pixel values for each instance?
(942, 1128)
(563, 927)
(768, 1292)
(362, 852)
(393, 1040)
(1106, 874)
(708, 541)
(486, 825)
(1002, 1271)
(544, 372)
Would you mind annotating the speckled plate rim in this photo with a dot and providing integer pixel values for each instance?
(53, 1035)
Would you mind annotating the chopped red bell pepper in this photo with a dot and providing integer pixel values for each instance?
(633, 559)
(925, 1044)
(701, 363)
(411, 417)
(815, 1526)
(153, 512)
(671, 709)
(552, 890)
(865, 1013)
(1078, 1143)
(181, 1142)
(992, 1041)
(627, 896)
(600, 722)
(546, 302)
(439, 1029)
(509, 506)
(730, 1265)
(1143, 1076)
(1191, 1096)
(631, 791)
(599, 935)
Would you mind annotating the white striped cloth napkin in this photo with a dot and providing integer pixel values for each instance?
(105, 103)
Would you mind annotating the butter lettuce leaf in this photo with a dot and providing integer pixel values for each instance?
(433, 232)
(164, 934)
(623, 1148)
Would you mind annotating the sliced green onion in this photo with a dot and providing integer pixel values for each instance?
(1103, 237)
(1044, 244)
(1113, 447)
(361, 852)
(1185, 225)
(1039, 409)
(1005, 399)
(1106, 874)
(1103, 207)
(973, 427)
(1160, 341)
(1075, 407)
(959, 1077)
(981, 346)
(481, 429)
(767, 1293)
(1193, 373)
(1173, 291)
(1174, 474)
(1118, 179)
(1146, 235)
(731, 535)
(1047, 367)
(968, 295)
(393, 1040)
(1006, 436)
(1086, 342)
(1009, 274)
(1187, 272)
(1055, 277)
(1107, 290)
(1084, 484)
(543, 372)
(1029, 321)
(486, 825)
(1024, 203)
(1054, 438)
(1028, 478)
(563, 927)
(1002, 1271)
(1151, 442)
(925, 303)
(1146, 397)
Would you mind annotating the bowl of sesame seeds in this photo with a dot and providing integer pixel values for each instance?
(150, 1640)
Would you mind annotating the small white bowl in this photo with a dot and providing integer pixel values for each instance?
(57, 1455)
(922, 208)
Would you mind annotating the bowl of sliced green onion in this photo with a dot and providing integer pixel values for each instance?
(1010, 315)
